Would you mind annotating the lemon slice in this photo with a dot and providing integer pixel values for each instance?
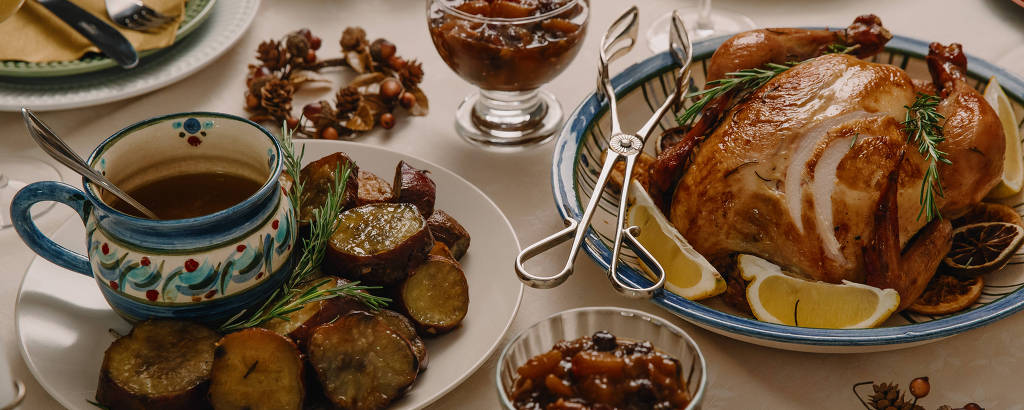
(1013, 169)
(687, 273)
(777, 298)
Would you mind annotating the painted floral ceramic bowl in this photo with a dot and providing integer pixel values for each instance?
(205, 268)
(642, 88)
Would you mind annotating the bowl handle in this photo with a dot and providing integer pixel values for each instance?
(34, 238)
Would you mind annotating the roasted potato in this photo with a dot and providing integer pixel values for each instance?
(436, 295)
(318, 181)
(405, 328)
(161, 364)
(256, 369)
(440, 249)
(361, 362)
(413, 186)
(446, 229)
(378, 244)
(373, 189)
(300, 324)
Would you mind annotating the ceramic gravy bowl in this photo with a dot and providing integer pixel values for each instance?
(206, 268)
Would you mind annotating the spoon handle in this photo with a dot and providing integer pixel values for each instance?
(57, 149)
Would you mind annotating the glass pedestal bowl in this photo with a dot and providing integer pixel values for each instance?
(508, 49)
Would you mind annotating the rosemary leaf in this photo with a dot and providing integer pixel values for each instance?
(921, 125)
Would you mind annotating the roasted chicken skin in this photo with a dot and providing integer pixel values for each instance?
(814, 172)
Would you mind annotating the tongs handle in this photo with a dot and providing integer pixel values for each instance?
(616, 42)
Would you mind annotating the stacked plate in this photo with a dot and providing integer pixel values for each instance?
(209, 28)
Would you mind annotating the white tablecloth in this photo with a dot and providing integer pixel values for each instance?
(983, 365)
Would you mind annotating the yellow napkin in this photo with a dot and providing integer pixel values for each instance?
(36, 35)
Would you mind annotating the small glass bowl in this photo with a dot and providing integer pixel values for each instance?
(508, 51)
(623, 323)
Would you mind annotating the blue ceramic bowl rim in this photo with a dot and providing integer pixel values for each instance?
(263, 192)
(568, 205)
(695, 402)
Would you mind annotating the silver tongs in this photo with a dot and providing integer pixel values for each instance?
(616, 42)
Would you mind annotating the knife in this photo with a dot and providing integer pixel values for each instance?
(110, 41)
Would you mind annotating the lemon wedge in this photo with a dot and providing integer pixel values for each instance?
(1013, 169)
(778, 298)
(687, 273)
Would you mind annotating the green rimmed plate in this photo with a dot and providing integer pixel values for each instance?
(196, 11)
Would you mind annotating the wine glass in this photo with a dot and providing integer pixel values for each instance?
(508, 50)
(703, 21)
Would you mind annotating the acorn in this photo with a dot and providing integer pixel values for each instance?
(920, 387)
(407, 100)
(382, 50)
(329, 133)
(390, 88)
(387, 120)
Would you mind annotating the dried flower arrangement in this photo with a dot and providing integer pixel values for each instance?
(385, 81)
(886, 396)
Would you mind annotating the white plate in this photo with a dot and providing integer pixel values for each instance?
(223, 28)
(62, 319)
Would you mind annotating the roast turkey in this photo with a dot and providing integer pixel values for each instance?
(814, 170)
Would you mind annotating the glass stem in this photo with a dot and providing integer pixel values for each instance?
(704, 21)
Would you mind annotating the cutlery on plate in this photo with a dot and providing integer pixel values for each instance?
(135, 15)
(56, 148)
(103, 35)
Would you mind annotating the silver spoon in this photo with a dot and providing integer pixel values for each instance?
(57, 149)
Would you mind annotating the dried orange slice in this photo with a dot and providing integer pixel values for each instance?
(989, 212)
(946, 294)
(982, 248)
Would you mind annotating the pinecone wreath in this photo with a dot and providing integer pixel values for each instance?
(385, 81)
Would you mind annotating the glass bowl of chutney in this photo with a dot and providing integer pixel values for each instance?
(601, 357)
(508, 49)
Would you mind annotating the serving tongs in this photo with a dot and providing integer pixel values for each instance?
(616, 42)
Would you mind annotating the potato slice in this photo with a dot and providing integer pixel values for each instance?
(378, 243)
(373, 189)
(405, 328)
(361, 362)
(446, 229)
(318, 181)
(256, 369)
(161, 364)
(300, 324)
(436, 295)
(413, 186)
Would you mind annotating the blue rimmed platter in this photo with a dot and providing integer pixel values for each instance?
(642, 87)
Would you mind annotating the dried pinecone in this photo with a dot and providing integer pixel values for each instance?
(276, 97)
(272, 55)
(888, 397)
(354, 38)
(411, 74)
(347, 99)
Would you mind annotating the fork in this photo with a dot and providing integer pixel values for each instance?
(135, 15)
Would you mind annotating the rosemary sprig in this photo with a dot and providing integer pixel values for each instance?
(746, 79)
(922, 128)
(290, 297)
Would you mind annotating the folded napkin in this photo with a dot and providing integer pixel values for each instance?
(36, 35)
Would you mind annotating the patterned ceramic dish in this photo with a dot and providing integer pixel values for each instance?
(205, 268)
(624, 323)
(577, 161)
(228, 21)
(196, 12)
